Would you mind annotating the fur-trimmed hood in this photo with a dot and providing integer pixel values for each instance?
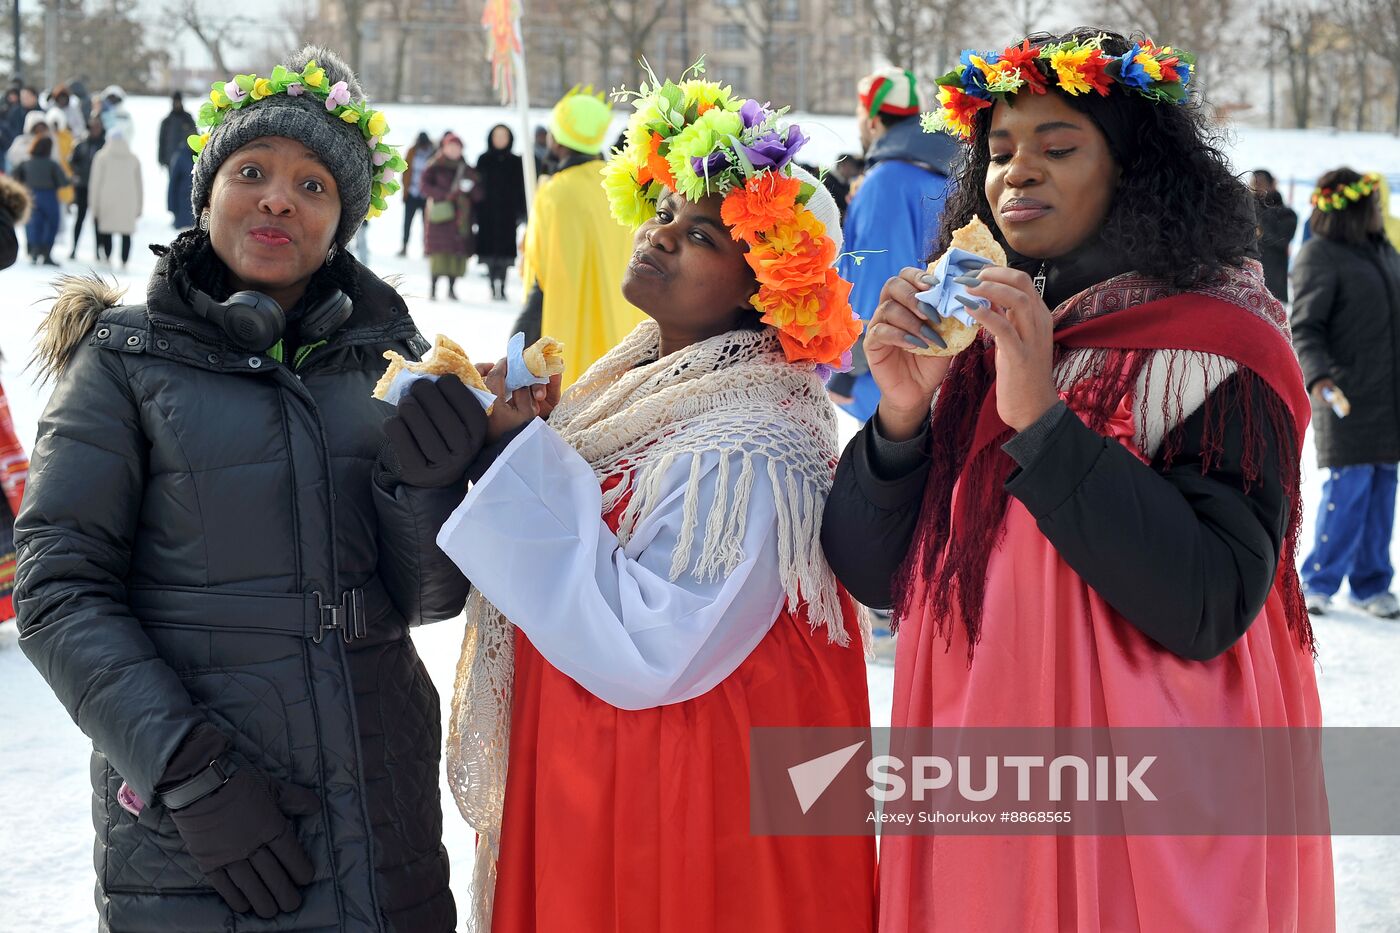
(14, 201)
(78, 302)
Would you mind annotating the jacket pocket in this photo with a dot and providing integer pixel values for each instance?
(146, 855)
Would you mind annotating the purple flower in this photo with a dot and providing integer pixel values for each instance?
(295, 89)
(753, 113)
(233, 92)
(379, 158)
(711, 165)
(773, 151)
(339, 96)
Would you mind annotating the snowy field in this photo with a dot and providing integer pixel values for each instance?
(46, 874)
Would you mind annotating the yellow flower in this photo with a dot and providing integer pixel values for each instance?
(197, 143)
(1069, 68)
(372, 213)
(349, 116)
(1150, 65)
(313, 75)
(218, 98)
(626, 197)
(261, 88)
(709, 93)
(378, 124)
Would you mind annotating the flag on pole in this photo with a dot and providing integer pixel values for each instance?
(502, 21)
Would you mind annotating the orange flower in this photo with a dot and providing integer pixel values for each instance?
(797, 311)
(803, 267)
(768, 200)
(838, 331)
(657, 165)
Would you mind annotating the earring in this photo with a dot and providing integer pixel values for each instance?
(330, 254)
(204, 220)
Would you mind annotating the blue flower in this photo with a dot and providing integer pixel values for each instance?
(1131, 73)
(1184, 70)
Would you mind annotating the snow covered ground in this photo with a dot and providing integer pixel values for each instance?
(46, 872)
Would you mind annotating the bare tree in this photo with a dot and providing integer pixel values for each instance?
(1199, 25)
(1382, 22)
(215, 33)
(1297, 28)
(1027, 16)
(921, 35)
(632, 23)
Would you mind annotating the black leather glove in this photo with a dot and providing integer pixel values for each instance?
(437, 433)
(239, 835)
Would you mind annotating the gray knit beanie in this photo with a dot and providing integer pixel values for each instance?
(338, 144)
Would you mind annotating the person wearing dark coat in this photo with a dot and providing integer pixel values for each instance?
(1346, 331)
(43, 176)
(502, 207)
(1277, 224)
(81, 163)
(14, 211)
(226, 613)
(174, 153)
(449, 184)
(414, 203)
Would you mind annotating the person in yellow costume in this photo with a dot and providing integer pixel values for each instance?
(1392, 221)
(575, 253)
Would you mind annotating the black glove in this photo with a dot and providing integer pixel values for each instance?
(437, 433)
(240, 836)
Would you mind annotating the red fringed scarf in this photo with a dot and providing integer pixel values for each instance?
(1123, 322)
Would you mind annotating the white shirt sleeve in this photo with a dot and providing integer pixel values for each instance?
(530, 536)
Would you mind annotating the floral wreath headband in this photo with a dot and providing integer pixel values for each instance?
(1075, 67)
(697, 139)
(1340, 197)
(227, 96)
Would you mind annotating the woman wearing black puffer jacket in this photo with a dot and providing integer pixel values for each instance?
(1346, 329)
(218, 563)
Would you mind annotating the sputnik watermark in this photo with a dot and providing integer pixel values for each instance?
(1051, 781)
(931, 773)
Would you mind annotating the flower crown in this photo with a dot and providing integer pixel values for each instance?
(242, 90)
(1341, 197)
(697, 138)
(1075, 67)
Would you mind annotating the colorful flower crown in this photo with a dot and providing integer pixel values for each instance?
(697, 139)
(1075, 67)
(1344, 196)
(242, 90)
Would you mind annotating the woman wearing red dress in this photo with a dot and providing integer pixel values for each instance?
(1094, 524)
(649, 581)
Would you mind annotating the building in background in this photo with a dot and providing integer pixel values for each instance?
(433, 51)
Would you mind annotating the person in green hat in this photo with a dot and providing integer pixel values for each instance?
(575, 253)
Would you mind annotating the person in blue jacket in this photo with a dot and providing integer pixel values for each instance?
(893, 215)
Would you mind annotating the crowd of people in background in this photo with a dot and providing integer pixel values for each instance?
(71, 151)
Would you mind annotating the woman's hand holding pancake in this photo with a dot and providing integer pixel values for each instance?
(907, 381)
(1023, 329)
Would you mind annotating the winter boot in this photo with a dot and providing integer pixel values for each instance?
(1382, 605)
(1317, 603)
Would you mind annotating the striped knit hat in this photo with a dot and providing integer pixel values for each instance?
(889, 90)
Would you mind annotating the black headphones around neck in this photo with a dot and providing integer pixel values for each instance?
(254, 321)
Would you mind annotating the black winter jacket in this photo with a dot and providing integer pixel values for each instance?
(1346, 326)
(208, 537)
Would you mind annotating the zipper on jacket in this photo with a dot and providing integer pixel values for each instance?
(299, 388)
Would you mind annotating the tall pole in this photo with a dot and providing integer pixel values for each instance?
(527, 133)
(685, 37)
(51, 16)
(14, 33)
